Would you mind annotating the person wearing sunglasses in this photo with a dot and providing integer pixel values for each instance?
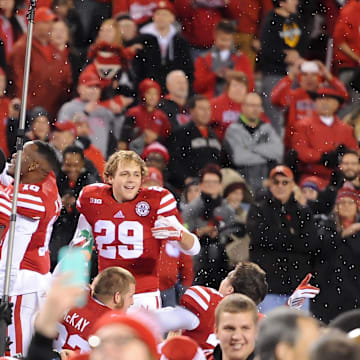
(282, 236)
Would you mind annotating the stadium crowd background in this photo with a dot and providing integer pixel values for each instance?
(246, 110)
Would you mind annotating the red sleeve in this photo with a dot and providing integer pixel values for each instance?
(280, 94)
(340, 87)
(350, 141)
(83, 204)
(30, 201)
(186, 271)
(5, 209)
(117, 99)
(341, 30)
(168, 205)
(122, 6)
(243, 64)
(17, 69)
(204, 78)
(300, 143)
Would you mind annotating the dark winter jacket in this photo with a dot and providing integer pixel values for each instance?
(283, 239)
(217, 354)
(191, 151)
(148, 63)
(337, 271)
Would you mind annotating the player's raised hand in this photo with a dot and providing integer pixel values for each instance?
(164, 229)
(302, 292)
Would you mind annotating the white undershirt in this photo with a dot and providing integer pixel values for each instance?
(327, 120)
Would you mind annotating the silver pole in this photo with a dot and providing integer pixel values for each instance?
(19, 149)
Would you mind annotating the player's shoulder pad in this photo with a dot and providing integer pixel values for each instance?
(92, 191)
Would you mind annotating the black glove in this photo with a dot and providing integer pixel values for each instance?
(330, 159)
(6, 311)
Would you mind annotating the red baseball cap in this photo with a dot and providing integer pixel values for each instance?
(165, 5)
(147, 84)
(155, 175)
(66, 126)
(330, 92)
(157, 148)
(282, 170)
(44, 14)
(181, 348)
(88, 78)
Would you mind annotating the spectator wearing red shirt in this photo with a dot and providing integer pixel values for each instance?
(347, 46)
(318, 139)
(299, 101)
(248, 15)
(145, 124)
(221, 61)
(198, 19)
(46, 72)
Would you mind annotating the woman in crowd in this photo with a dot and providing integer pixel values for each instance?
(337, 262)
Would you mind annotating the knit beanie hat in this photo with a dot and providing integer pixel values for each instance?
(181, 348)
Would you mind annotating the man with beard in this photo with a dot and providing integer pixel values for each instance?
(350, 169)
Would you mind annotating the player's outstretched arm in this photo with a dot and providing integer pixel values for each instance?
(170, 228)
(176, 318)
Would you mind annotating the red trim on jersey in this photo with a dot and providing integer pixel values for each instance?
(17, 324)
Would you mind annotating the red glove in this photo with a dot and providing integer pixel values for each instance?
(303, 291)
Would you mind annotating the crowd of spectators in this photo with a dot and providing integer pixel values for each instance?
(247, 111)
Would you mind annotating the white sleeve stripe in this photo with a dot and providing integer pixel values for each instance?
(5, 211)
(31, 206)
(5, 202)
(171, 206)
(202, 292)
(166, 198)
(197, 298)
(30, 197)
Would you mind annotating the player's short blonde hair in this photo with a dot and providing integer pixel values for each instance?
(234, 304)
(112, 280)
(124, 156)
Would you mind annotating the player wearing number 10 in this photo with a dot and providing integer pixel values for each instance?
(129, 222)
(38, 207)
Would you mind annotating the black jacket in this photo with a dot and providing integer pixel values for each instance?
(178, 116)
(190, 151)
(283, 240)
(217, 354)
(337, 271)
(148, 63)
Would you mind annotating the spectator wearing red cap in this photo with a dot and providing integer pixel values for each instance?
(164, 49)
(47, 71)
(221, 61)
(337, 267)
(283, 237)
(100, 119)
(298, 101)
(109, 62)
(317, 138)
(181, 348)
(145, 124)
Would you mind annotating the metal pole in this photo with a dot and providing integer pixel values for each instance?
(19, 148)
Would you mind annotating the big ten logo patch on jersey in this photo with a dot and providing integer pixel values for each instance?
(142, 208)
(291, 34)
(95, 201)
